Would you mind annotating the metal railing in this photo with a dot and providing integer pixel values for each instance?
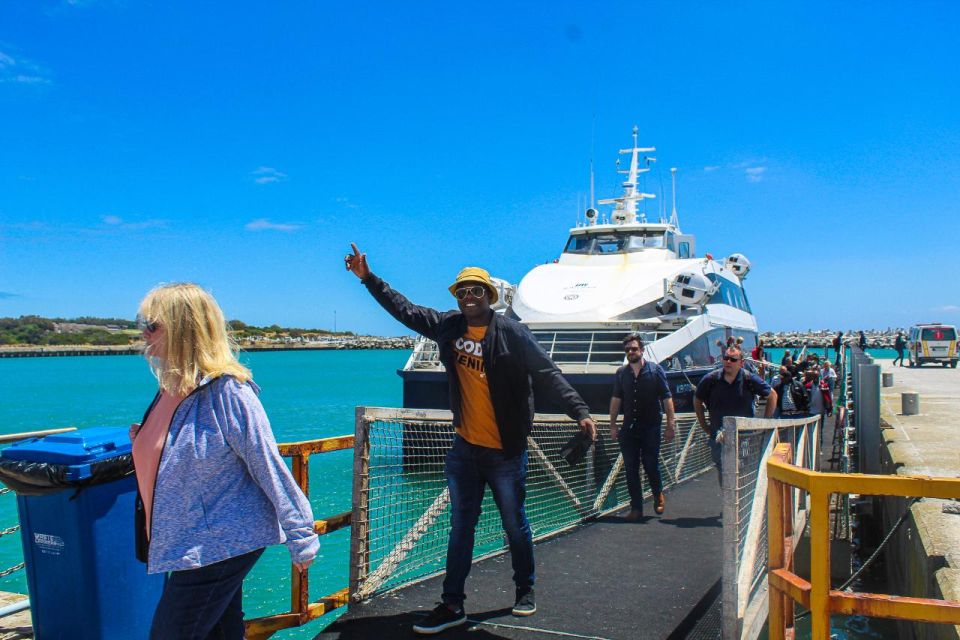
(302, 610)
(749, 442)
(402, 507)
(786, 588)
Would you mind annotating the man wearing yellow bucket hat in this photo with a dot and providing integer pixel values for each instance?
(493, 365)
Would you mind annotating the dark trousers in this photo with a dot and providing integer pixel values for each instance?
(204, 603)
(899, 357)
(642, 447)
(469, 469)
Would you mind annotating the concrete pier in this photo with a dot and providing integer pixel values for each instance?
(923, 559)
(16, 626)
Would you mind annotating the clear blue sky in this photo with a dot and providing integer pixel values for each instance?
(243, 146)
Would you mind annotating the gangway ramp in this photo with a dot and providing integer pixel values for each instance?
(607, 579)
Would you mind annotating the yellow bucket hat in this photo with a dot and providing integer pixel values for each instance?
(478, 275)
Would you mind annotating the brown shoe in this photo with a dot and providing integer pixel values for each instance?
(635, 515)
(658, 504)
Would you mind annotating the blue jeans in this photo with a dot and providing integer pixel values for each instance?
(204, 603)
(641, 447)
(716, 452)
(469, 469)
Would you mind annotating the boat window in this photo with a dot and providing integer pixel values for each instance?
(728, 293)
(684, 250)
(615, 242)
(669, 237)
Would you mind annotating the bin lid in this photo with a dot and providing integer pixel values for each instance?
(84, 446)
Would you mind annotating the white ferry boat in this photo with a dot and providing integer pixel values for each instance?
(619, 273)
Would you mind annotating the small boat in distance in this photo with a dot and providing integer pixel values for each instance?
(618, 274)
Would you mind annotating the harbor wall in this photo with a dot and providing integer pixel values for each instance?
(923, 556)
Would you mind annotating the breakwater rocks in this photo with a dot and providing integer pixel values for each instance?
(352, 342)
(281, 344)
(876, 339)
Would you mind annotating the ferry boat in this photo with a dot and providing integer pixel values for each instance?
(619, 273)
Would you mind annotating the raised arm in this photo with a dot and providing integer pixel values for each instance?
(423, 320)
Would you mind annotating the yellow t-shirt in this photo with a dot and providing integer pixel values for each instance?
(478, 424)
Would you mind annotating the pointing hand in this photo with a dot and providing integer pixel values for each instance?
(357, 263)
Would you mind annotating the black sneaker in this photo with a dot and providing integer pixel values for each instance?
(525, 605)
(442, 617)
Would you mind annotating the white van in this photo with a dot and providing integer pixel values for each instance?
(932, 342)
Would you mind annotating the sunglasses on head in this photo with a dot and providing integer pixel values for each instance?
(476, 291)
(144, 325)
(731, 359)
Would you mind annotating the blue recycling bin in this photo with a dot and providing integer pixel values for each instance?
(78, 543)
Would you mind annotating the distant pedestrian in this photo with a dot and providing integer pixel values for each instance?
(862, 342)
(493, 365)
(792, 398)
(729, 391)
(838, 347)
(829, 375)
(213, 490)
(820, 398)
(640, 389)
(900, 345)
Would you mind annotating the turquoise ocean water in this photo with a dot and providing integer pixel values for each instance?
(307, 395)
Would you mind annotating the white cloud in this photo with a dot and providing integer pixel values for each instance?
(947, 308)
(345, 202)
(712, 167)
(754, 174)
(264, 224)
(266, 175)
(117, 222)
(21, 71)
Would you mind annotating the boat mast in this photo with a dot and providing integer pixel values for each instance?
(625, 211)
(674, 220)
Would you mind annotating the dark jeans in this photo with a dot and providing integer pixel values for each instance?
(469, 469)
(899, 357)
(641, 447)
(204, 603)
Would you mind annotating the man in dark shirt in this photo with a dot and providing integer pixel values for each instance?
(640, 389)
(729, 392)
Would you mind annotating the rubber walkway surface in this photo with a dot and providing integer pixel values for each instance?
(607, 579)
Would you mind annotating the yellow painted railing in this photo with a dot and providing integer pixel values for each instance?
(302, 610)
(787, 588)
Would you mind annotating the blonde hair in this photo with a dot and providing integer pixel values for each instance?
(195, 339)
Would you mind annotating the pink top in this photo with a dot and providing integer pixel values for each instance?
(148, 446)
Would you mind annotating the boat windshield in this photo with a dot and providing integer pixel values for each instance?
(614, 242)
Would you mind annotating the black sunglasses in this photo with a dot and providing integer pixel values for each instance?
(730, 359)
(149, 327)
(476, 291)
(629, 349)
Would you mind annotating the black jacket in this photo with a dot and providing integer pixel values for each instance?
(515, 363)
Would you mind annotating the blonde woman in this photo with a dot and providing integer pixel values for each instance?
(213, 489)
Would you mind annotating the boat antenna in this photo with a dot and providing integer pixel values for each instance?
(593, 143)
(674, 220)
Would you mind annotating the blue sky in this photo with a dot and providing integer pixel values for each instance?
(244, 145)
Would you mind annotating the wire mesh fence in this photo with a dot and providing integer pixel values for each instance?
(745, 512)
(401, 504)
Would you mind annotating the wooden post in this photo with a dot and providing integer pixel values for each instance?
(300, 580)
(819, 564)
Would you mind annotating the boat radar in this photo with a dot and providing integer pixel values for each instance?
(625, 207)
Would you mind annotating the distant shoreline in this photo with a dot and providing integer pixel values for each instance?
(352, 344)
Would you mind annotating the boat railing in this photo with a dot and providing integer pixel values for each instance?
(585, 349)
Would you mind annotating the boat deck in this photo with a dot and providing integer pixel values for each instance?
(659, 578)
